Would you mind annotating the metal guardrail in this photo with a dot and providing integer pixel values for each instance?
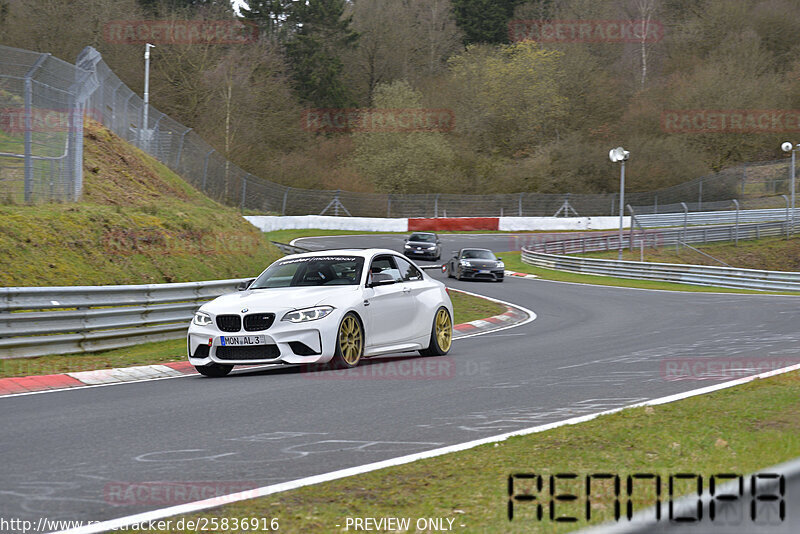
(713, 217)
(669, 272)
(661, 238)
(35, 321)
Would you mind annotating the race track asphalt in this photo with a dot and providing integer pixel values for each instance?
(66, 454)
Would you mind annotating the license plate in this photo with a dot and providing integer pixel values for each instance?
(241, 341)
(419, 251)
(484, 271)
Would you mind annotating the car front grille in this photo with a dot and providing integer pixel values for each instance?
(229, 323)
(254, 352)
(256, 322)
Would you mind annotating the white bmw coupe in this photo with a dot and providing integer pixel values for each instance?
(335, 307)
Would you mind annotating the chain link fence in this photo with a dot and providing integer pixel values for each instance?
(44, 99)
(42, 105)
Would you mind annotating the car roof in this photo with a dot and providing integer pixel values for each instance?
(359, 252)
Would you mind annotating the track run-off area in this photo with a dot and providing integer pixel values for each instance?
(66, 454)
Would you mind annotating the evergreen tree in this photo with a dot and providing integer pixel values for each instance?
(484, 21)
(320, 33)
(269, 15)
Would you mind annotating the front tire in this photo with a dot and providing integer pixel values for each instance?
(214, 370)
(441, 334)
(349, 343)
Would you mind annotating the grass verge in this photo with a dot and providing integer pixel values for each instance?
(465, 307)
(514, 262)
(738, 430)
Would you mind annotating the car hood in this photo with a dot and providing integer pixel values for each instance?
(418, 243)
(280, 299)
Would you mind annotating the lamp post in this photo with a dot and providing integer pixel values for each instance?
(147, 48)
(621, 155)
(789, 147)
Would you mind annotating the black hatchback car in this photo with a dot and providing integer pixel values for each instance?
(423, 246)
(476, 264)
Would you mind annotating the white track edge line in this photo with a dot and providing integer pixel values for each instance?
(366, 468)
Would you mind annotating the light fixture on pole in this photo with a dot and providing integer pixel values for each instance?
(143, 127)
(621, 155)
(789, 147)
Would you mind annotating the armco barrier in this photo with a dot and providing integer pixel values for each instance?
(63, 320)
(669, 272)
(713, 217)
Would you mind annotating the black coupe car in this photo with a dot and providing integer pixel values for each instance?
(476, 264)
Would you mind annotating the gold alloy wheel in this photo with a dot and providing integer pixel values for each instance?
(350, 340)
(444, 330)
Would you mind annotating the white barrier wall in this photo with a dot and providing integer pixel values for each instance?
(521, 224)
(268, 223)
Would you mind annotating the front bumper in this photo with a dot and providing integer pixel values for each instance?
(472, 273)
(420, 254)
(285, 343)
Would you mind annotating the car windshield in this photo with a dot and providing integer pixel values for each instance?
(423, 238)
(478, 255)
(311, 271)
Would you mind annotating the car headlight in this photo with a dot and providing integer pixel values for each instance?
(407, 245)
(465, 263)
(307, 314)
(501, 265)
(201, 319)
(432, 247)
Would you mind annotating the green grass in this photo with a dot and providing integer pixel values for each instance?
(465, 307)
(738, 430)
(137, 222)
(468, 308)
(514, 263)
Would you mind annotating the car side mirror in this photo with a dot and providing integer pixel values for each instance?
(246, 284)
(381, 279)
(499, 258)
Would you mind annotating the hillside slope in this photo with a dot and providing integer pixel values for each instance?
(138, 222)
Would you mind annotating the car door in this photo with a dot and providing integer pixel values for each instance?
(415, 285)
(389, 307)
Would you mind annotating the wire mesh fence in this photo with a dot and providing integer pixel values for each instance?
(43, 101)
(42, 105)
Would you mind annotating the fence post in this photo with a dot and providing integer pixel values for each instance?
(244, 192)
(205, 169)
(389, 205)
(700, 199)
(786, 224)
(655, 208)
(685, 219)
(29, 126)
(736, 226)
(285, 197)
(520, 204)
(180, 148)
